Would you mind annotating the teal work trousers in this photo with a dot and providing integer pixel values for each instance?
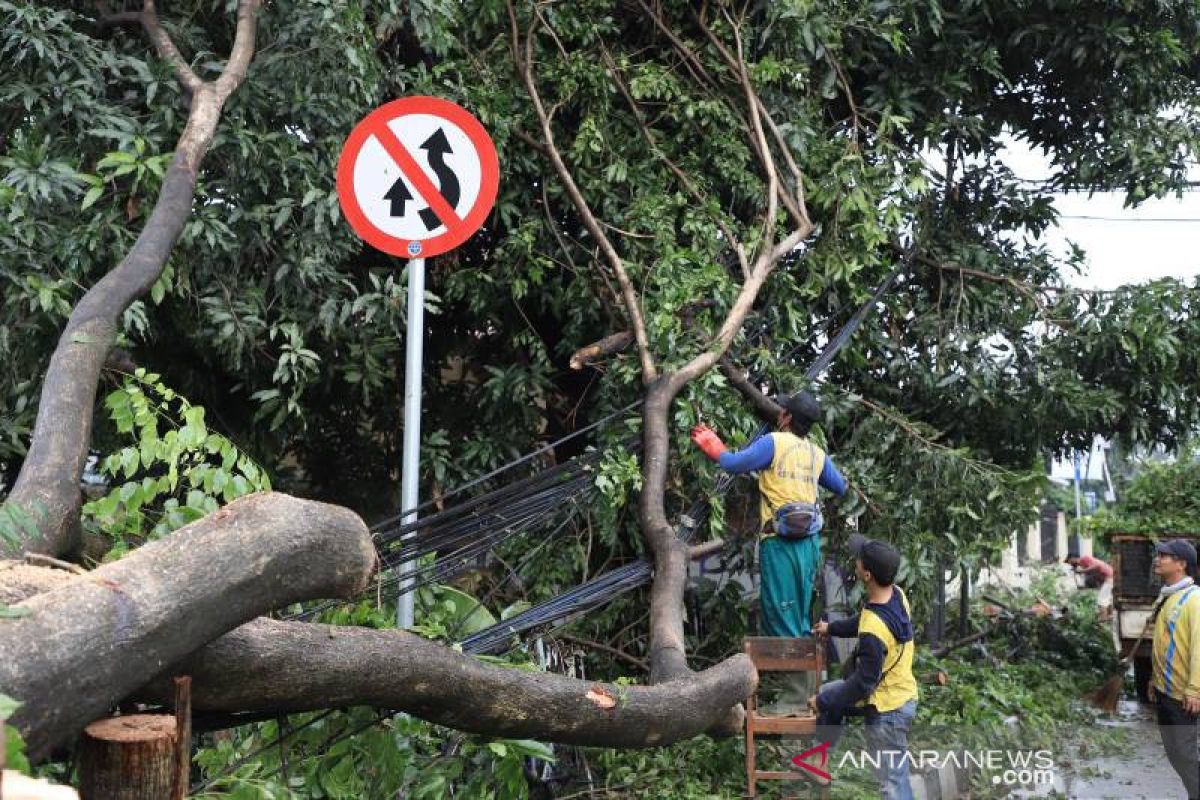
(788, 569)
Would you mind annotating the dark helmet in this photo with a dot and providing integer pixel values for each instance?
(803, 407)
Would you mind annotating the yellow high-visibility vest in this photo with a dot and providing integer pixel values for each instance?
(898, 685)
(793, 474)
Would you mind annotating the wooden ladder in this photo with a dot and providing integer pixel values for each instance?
(776, 654)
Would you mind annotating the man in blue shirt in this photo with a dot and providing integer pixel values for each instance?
(790, 468)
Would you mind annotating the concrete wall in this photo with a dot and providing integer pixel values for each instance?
(1014, 574)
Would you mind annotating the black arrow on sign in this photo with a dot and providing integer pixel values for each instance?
(399, 195)
(438, 146)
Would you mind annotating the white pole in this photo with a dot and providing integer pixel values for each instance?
(411, 458)
(1078, 513)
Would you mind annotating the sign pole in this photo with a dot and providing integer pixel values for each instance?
(411, 458)
(416, 177)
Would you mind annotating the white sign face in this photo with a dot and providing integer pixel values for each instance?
(445, 155)
(417, 177)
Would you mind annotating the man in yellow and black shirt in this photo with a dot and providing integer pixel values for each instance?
(881, 687)
(1176, 656)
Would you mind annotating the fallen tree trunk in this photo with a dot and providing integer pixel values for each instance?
(267, 665)
(85, 646)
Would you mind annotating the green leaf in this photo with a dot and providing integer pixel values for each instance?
(130, 460)
(469, 615)
(91, 197)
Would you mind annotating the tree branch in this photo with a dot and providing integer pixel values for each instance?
(613, 343)
(87, 644)
(766, 408)
(166, 47)
(242, 52)
(604, 648)
(796, 205)
(845, 84)
(47, 488)
(680, 175)
(629, 295)
(689, 56)
(274, 666)
(764, 150)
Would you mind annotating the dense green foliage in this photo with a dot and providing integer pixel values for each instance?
(164, 479)
(1163, 499)
(276, 319)
(288, 332)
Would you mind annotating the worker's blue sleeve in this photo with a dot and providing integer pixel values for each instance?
(838, 696)
(844, 628)
(830, 478)
(757, 455)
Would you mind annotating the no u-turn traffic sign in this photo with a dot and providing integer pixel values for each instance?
(417, 177)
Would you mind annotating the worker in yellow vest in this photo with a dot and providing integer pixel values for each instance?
(790, 469)
(879, 685)
(1175, 683)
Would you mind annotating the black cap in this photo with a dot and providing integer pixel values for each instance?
(1179, 548)
(879, 558)
(802, 406)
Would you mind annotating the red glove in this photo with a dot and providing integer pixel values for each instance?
(708, 441)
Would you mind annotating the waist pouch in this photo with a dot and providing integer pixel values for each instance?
(797, 520)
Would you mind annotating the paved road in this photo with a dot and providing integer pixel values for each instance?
(1142, 773)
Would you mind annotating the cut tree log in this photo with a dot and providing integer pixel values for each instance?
(128, 758)
(939, 678)
(963, 642)
(19, 580)
(267, 665)
(86, 645)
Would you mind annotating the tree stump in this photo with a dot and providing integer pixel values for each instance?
(128, 758)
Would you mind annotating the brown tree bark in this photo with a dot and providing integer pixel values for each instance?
(613, 343)
(86, 645)
(128, 758)
(267, 665)
(766, 408)
(47, 487)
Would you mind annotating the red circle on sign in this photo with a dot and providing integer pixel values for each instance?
(458, 230)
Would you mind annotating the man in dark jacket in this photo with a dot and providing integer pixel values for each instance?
(881, 687)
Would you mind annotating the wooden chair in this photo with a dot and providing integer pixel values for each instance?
(776, 654)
